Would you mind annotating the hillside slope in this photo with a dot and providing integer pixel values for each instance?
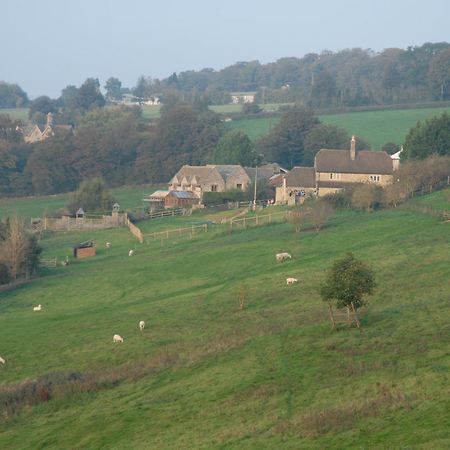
(204, 374)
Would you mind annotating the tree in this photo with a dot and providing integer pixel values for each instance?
(12, 96)
(365, 196)
(89, 95)
(40, 107)
(113, 88)
(439, 74)
(251, 108)
(323, 136)
(297, 218)
(92, 195)
(320, 212)
(348, 281)
(235, 147)
(390, 148)
(285, 144)
(427, 138)
(19, 251)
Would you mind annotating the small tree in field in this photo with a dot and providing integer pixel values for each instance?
(321, 211)
(348, 281)
(297, 218)
(92, 195)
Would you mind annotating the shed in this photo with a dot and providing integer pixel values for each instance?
(181, 198)
(84, 249)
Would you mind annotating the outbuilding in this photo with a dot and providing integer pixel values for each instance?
(84, 249)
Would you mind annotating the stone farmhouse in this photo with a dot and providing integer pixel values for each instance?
(35, 133)
(210, 178)
(335, 170)
(242, 97)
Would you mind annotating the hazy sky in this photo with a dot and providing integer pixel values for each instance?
(48, 44)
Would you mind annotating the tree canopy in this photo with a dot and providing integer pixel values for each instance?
(235, 147)
(347, 282)
(427, 138)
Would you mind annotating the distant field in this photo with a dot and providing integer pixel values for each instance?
(378, 127)
(16, 113)
(128, 197)
(233, 109)
(150, 112)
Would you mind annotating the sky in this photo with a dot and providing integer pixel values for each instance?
(48, 44)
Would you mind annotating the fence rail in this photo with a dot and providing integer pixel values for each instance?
(167, 234)
(258, 220)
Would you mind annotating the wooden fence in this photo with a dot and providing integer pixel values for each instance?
(135, 231)
(429, 210)
(176, 232)
(168, 213)
(258, 220)
(53, 262)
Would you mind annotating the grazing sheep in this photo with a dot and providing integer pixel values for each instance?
(38, 308)
(131, 253)
(108, 244)
(117, 338)
(2, 360)
(291, 280)
(280, 257)
(141, 325)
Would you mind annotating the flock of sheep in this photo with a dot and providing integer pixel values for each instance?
(280, 257)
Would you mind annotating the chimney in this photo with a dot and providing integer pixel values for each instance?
(353, 149)
(49, 119)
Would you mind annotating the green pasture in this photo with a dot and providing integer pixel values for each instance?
(129, 197)
(206, 375)
(378, 127)
(16, 113)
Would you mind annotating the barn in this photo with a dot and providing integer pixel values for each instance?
(181, 198)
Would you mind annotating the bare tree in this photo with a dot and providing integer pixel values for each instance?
(321, 211)
(297, 218)
(365, 196)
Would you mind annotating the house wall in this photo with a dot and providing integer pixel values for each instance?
(234, 180)
(353, 178)
(282, 196)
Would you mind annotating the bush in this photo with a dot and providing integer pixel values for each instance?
(219, 198)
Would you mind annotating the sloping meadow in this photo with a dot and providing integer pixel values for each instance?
(205, 373)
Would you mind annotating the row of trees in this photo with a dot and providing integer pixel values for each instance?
(19, 251)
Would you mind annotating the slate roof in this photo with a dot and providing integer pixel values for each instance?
(366, 161)
(183, 194)
(210, 173)
(301, 177)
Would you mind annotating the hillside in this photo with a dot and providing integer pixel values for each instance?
(378, 127)
(204, 374)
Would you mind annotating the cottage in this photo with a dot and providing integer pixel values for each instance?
(35, 133)
(335, 170)
(242, 97)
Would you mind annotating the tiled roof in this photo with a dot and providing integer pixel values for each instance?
(301, 177)
(366, 161)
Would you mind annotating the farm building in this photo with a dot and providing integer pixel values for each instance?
(335, 170)
(84, 249)
(242, 97)
(181, 198)
(157, 199)
(35, 133)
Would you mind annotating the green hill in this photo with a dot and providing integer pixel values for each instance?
(378, 127)
(204, 374)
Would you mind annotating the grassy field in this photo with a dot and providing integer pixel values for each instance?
(205, 374)
(16, 113)
(378, 127)
(128, 197)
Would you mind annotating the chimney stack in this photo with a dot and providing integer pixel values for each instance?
(353, 148)
(49, 119)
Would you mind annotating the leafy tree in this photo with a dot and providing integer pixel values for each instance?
(285, 144)
(12, 96)
(439, 74)
(320, 212)
(7, 167)
(348, 281)
(390, 148)
(42, 105)
(92, 195)
(297, 218)
(365, 196)
(235, 147)
(143, 87)
(251, 108)
(9, 129)
(323, 136)
(89, 95)
(113, 88)
(427, 138)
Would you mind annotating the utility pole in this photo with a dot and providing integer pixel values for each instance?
(256, 181)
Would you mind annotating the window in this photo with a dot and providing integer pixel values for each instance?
(214, 188)
(374, 178)
(239, 186)
(335, 176)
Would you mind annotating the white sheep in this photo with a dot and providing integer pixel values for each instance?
(117, 338)
(280, 257)
(108, 244)
(131, 253)
(2, 360)
(141, 325)
(291, 280)
(38, 308)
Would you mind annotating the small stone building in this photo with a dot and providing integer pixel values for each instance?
(181, 198)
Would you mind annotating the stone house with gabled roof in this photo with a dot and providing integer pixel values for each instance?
(35, 133)
(335, 170)
(209, 178)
